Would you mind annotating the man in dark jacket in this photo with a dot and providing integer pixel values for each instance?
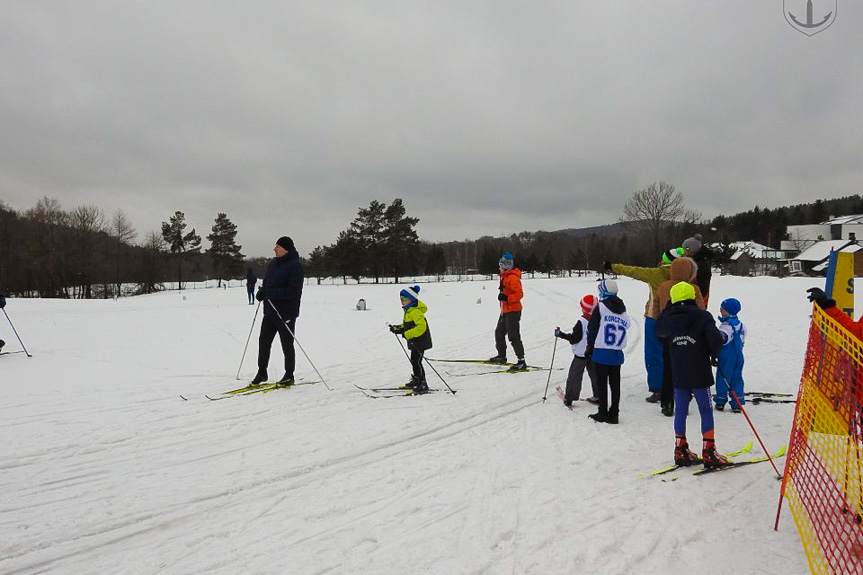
(694, 341)
(702, 255)
(280, 293)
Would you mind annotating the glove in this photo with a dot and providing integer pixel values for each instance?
(261, 295)
(397, 329)
(502, 296)
(2, 301)
(817, 295)
(557, 332)
(606, 265)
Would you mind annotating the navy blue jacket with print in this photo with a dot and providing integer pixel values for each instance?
(693, 339)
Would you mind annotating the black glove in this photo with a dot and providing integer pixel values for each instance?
(502, 296)
(2, 301)
(818, 296)
(557, 332)
(606, 265)
(397, 329)
(261, 295)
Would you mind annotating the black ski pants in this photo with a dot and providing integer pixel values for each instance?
(608, 376)
(269, 328)
(509, 325)
(417, 364)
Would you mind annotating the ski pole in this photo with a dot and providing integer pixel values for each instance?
(16, 332)
(401, 345)
(251, 329)
(554, 349)
(299, 344)
(749, 421)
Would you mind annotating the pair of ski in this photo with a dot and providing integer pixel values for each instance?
(486, 362)
(385, 392)
(250, 389)
(562, 395)
(706, 470)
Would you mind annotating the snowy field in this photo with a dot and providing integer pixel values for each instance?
(105, 469)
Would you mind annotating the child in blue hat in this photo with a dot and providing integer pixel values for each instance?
(729, 368)
(416, 330)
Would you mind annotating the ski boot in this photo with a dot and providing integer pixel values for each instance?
(711, 457)
(611, 418)
(668, 409)
(499, 358)
(719, 407)
(260, 378)
(600, 416)
(412, 383)
(520, 365)
(286, 380)
(654, 397)
(682, 455)
(2, 343)
(421, 387)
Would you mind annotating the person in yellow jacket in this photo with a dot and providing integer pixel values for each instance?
(653, 362)
(416, 330)
(508, 323)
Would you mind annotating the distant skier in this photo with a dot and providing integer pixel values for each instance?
(580, 361)
(2, 305)
(508, 323)
(606, 340)
(280, 293)
(729, 366)
(683, 269)
(415, 329)
(694, 341)
(251, 280)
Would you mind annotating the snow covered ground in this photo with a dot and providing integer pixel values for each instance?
(105, 469)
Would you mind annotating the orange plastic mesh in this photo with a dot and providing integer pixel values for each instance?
(822, 481)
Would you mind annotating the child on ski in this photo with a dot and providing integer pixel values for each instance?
(729, 366)
(578, 340)
(416, 330)
(508, 323)
(693, 340)
(606, 340)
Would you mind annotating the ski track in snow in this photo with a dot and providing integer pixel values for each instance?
(105, 470)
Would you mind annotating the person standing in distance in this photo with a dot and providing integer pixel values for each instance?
(280, 293)
(251, 280)
(508, 324)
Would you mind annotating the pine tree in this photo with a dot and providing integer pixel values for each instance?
(400, 239)
(227, 259)
(180, 244)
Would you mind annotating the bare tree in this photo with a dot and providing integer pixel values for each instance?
(123, 233)
(653, 208)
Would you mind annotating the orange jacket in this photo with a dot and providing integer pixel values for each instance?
(855, 327)
(510, 286)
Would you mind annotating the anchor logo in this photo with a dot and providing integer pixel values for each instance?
(812, 24)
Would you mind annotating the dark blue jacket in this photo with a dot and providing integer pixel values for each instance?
(693, 339)
(283, 285)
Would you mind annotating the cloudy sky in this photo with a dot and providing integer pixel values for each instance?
(485, 117)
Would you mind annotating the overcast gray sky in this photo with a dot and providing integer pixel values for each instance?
(485, 117)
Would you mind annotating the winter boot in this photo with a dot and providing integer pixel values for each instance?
(720, 407)
(611, 418)
(499, 358)
(668, 409)
(421, 387)
(682, 455)
(599, 417)
(260, 378)
(520, 365)
(711, 457)
(287, 379)
(654, 397)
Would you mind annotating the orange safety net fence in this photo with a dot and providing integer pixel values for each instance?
(822, 481)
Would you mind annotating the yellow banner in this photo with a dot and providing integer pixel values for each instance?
(841, 283)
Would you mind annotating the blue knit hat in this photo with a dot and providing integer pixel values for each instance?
(607, 288)
(731, 305)
(506, 261)
(412, 293)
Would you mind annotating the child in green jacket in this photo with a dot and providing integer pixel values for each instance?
(416, 330)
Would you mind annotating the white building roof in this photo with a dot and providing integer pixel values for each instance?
(821, 250)
(754, 249)
(854, 219)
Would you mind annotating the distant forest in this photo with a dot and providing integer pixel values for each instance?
(46, 251)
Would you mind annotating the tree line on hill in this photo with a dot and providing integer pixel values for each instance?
(46, 251)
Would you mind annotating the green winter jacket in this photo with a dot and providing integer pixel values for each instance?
(416, 327)
(652, 277)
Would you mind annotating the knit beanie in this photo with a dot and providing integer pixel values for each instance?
(588, 302)
(412, 293)
(669, 256)
(607, 288)
(692, 244)
(285, 242)
(731, 305)
(682, 291)
(506, 261)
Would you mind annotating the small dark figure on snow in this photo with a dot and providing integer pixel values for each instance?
(251, 280)
(280, 293)
(416, 330)
(694, 342)
(580, 361)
